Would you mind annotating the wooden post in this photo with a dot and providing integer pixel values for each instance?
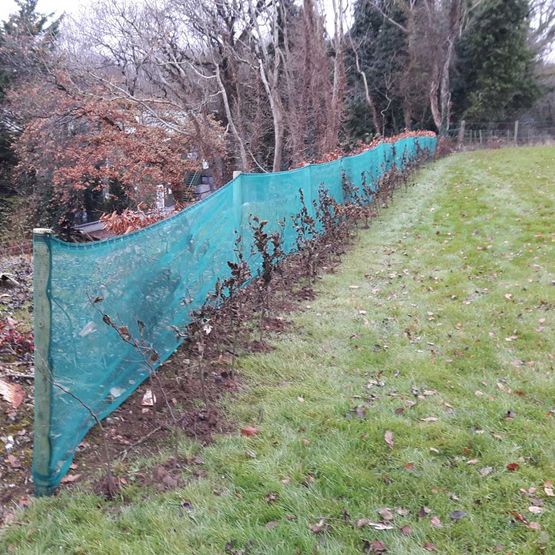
(42, 316)
(461, 133)
(238, 200)
(480, 136)
(516, 132)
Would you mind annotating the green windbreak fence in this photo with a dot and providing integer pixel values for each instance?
(84, 370)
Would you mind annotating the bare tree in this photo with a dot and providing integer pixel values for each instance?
(542, 25)
(432, 28)
(338, 88)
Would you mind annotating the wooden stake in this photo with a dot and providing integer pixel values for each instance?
(461, 133)
(42, 315)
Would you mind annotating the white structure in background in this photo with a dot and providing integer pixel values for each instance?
(160, 197)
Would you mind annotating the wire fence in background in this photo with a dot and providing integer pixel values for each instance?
(489, 134)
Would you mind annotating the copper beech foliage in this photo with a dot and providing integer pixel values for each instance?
(132, 220)
(77, 139)
(361, 147)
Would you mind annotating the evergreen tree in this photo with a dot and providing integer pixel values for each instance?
(24, 39)
(382, 52)
(495, 78)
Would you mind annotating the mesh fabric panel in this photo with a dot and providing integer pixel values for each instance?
(146, 275)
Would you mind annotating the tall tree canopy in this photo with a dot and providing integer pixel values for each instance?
(378, 59)
(496, 78)
(24, 39)
(435, 60)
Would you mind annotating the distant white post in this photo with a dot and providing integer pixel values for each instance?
(461, 133)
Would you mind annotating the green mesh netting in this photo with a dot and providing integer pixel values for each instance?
(145, 276)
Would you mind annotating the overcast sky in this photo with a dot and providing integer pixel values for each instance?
(44, 6)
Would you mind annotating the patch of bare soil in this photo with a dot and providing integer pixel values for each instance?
(16, 382)
(183, 397)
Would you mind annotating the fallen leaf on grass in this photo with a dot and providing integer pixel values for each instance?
(534, 526)
(363, 522)
(548, 488)
(436, 522)
(70, 478)
(424, 512)
(374, 546)
(430, 419)
(319, 527)
(486, 471)
(388, 436)
(386, 514)
(249, 431)
(272, 524)
(406, 530)
(457, 515)
(502, 387)
(536, 510)
(429, 547)
(518, 517)
(361, 411)
(13, 393)
(512, 467)
(271, 497)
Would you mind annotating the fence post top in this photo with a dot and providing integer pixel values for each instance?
(42, 231)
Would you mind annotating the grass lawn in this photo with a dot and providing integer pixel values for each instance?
(437, 334)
